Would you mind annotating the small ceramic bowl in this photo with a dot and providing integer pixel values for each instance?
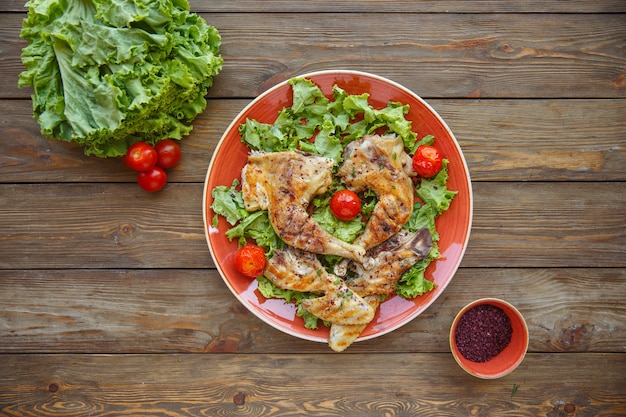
(509, 358)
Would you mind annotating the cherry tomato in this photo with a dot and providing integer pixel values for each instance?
(427, 161)
(152, 180)
(140, 157)
(345, 205)
(168, 153)
(250, 260)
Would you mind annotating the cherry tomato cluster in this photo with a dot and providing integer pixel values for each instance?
(250, 260)
(150, 162)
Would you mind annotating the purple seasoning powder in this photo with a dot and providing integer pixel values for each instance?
(483, 332)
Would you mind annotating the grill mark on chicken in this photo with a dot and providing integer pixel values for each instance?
(283, 183)
(340, 305)
(341, 335)
(295, 269)
(379, 163)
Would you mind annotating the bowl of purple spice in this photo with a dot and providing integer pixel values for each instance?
(489, 338)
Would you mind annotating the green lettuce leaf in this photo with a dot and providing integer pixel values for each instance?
(256, 226)
(228, 202)
(106, 74)
(344, 230)
(434, 191)
(269, 290)
(322, 126)
(413, 283)
(436, 198)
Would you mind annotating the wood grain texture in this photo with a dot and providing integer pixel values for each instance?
(515, 225)
(390, 6)
(110, 304)
(502, 140)
(192, 311)
(424, 384)
(408, 6)
(491, 55)
(548, 224)
(106, 224)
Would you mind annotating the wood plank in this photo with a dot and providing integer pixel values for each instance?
(540, 140)
(426, 384)
(502, 140)
(192, 310)
(410, 6)
(107, 224)
(494, 55)
(515, 225)
(548, 224)
(389, 6)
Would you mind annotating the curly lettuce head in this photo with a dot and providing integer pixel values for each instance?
(108, 73)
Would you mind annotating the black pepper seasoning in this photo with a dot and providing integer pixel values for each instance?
(483, 332)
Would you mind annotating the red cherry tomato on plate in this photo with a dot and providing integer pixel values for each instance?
(168, 153)
(152, 180)
(345, 205)
(427, 161)
(250, 260)
(140, 157)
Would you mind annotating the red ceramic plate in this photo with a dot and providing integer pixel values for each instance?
(453, 226)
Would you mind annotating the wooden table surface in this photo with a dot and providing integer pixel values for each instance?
(110, 303)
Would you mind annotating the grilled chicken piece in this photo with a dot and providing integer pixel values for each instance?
(342, 335)
(388, 261)
(294, 269)
(380, 163)
(340, 305)
(284, 184)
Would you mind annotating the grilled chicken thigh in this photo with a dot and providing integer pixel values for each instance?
(284, 184)
(295, 269)
(379, 163)
(340, 305)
